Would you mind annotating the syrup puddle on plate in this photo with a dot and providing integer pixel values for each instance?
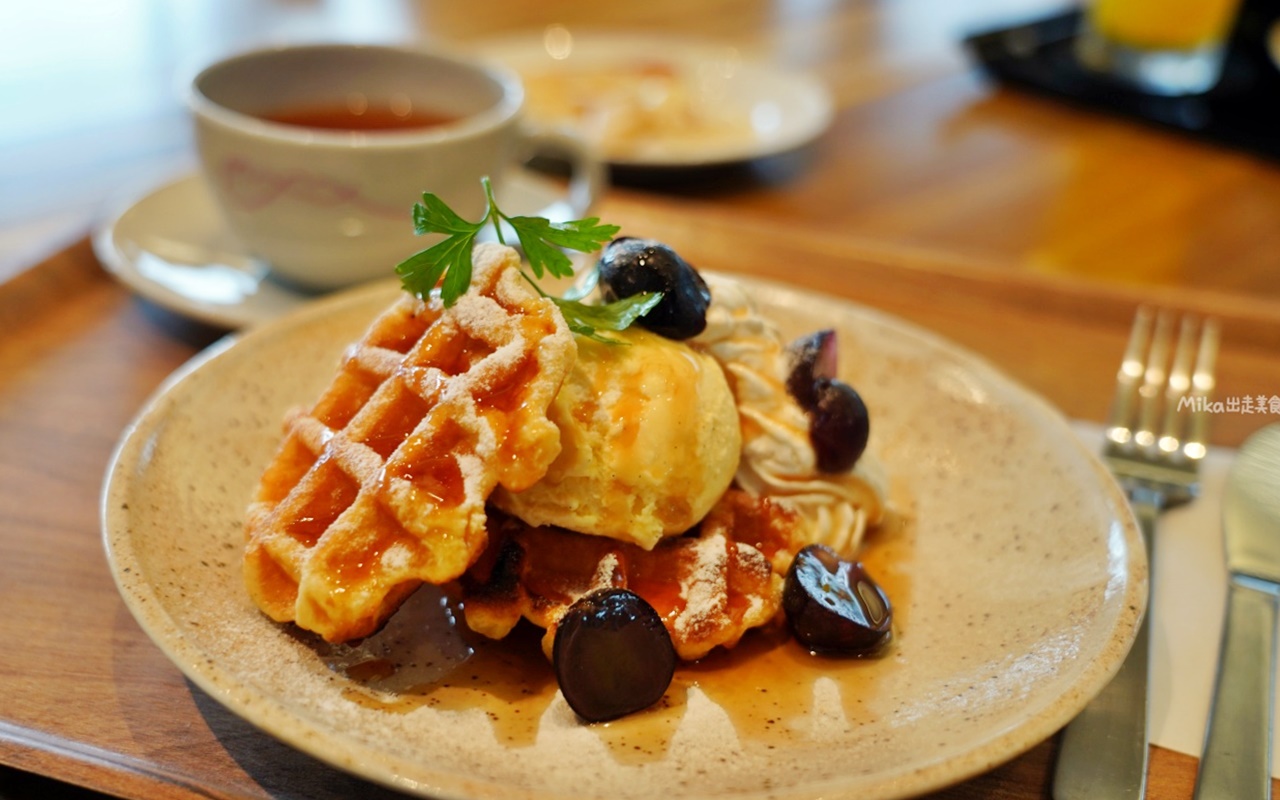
(767, 686)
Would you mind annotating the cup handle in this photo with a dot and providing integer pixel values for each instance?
(587, 174)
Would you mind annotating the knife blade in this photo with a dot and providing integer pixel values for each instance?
(1236, 764)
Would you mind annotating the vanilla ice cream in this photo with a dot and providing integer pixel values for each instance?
(650, 440)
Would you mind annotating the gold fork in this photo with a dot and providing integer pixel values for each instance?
(1154, 442)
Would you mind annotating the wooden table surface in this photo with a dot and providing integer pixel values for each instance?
(1021, 228)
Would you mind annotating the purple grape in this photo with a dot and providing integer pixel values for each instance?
(612, 655)
(812, 357)
(839, 425)
(630, 266)
(833, 606)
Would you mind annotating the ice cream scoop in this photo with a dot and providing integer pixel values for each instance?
(650, 440)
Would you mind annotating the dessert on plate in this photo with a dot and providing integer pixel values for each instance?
(625, 107)
(644, 493)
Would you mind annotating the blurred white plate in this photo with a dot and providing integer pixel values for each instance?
(171, 246)
(663, 102)
(1016, 570)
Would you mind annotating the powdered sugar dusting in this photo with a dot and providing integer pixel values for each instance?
(705, 589)
(405, 445)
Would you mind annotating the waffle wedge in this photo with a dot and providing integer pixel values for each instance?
(710, 586)
(382, 484)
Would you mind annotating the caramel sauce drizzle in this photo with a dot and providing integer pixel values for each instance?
(765, 685)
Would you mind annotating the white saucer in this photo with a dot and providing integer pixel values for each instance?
(741, 107)
(171, 247)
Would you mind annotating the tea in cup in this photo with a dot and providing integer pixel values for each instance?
(316, 154)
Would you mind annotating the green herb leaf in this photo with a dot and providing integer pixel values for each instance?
(588, 320)
(451, 258)
(448, 262)
(433, 215)
(542, 240)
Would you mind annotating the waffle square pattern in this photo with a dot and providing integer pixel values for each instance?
(382, 485)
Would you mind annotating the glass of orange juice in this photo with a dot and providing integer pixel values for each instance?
(1166, 47)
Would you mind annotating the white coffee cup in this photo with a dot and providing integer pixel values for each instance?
(328, 207)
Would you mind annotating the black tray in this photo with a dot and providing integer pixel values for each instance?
(1242, 111)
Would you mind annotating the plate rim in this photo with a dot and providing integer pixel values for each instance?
(246, 701)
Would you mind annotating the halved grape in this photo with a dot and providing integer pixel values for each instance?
(833, 606)
(612, 655)
(812, 357)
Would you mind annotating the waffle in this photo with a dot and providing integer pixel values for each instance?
(709, 586)
(382, 484)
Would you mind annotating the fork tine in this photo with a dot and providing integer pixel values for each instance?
(1119, 428)
(1176, 416)
(1202, 385)
(1151, 393)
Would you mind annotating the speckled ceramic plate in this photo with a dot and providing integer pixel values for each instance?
(1015, 568)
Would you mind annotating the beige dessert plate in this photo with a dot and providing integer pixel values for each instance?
(1017, 574)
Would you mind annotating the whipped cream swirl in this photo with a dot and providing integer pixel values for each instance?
(778, 460)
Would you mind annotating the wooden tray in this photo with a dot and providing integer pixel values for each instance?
(86, 698)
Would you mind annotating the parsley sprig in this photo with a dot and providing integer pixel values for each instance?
(448, 262)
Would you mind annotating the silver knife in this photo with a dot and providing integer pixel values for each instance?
(1236, 764)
